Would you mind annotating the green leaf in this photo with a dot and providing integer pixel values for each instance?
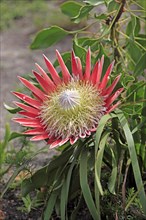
(126, 80)
(94, 2)
(129, 28)
(136, 88)
(101, 17)
(67, 182)
(79, 51)
(63, 201)
(89, 42)
(142, 4)
(65, 190)
(7, 136)
(11, 109)
(15, 135)
(99, 132)
(3, 145)
(86, 42)
(84, 11)
(106, 58)
(136, 26)
(50, 204)
(134, 51)
(133, 27)
(133, 157)
(99, 160)
(141, 39)
(113, 177)
(12, 178)
(85, 187)
(47, 37)
(140, 65)
(113, 6)
(70, 8)
(100, 128)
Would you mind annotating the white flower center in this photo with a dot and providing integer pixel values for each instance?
(69, 99)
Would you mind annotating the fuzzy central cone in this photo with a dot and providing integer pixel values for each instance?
(72, 110)
(69, 99)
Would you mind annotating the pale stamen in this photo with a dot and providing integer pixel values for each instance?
(69, 99)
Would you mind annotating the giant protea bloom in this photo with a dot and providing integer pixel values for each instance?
(67, 107)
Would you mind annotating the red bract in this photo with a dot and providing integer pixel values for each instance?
(67, 107)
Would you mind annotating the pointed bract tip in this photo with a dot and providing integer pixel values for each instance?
(57, 53)
(45, 58)
(21, 78)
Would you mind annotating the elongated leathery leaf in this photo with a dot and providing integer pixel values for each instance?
(133, 157)
(113, 177)
(100, 129)
(50, 205)
(98, 161)
(65, 190)
(66, 184)
(99, 132)
(98, 165)
(85, 187)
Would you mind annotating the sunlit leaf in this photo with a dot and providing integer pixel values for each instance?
(47, 37)
(133, 27)
(70, 8)
(113, 6)
(79, 51)
(101, 17)
(126, 80)
(134, 51)
(106, 58)
(140, 65)
(141, 39)
(83, 12)
(94, 2)
(15, 135)
(11, 109)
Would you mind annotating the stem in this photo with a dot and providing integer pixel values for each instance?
(124, 188)
(119, 13)
(114, 34)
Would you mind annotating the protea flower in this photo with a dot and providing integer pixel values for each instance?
(68, 107)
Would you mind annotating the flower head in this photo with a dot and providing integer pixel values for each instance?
(68, 107)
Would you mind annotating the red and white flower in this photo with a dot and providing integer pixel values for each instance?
(67, 107)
